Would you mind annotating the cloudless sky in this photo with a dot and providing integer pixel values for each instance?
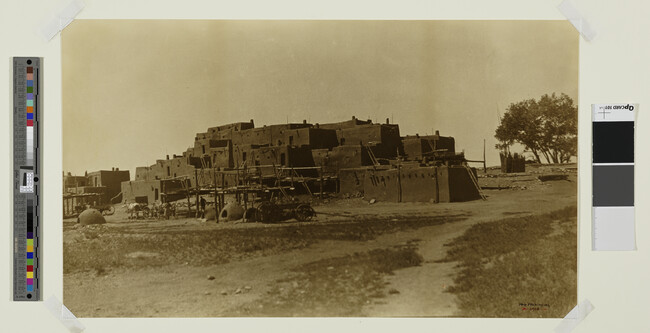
(136, 90)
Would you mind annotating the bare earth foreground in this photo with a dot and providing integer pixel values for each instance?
(356, 259)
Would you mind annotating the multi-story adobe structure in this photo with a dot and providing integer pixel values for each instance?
(355, 147)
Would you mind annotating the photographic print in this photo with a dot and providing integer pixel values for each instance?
(307, 168)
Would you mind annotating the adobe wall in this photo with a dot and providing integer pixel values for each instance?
(222, 157)
(234, 126)
(182, 170)
(300, 157)
(320, 156)
(280, 133)
(351, 181)
(94, 178)
(272, 135)
(341, 157)
(142, 173)
(112, 180)
(345, 124)
(271, 156)
(243, 153)
(279, 156)
(224, 131)
(74, 181)
(196, 161)
(390, 134)
(172, 185)
(163, 169)
(446, 142)
(141, 188)
(203, 146)
(417, 146)
(159, 170)
(387, 151)
(316, 138)
(362, 134)
(419, 184)
(381, 185)
(443, 184)
(385, 137)
(253, 136)
(322, 138)
(202, 136)
(461, 187)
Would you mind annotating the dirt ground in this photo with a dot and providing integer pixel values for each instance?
(223, 288)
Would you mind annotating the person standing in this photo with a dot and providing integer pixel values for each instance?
(203, 203)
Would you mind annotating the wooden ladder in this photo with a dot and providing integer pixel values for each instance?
(301, 180)
(373, 159)
(475, 181)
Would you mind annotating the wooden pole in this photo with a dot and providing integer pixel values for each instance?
(196, 188)
(237, 183)
(321, 180)
(437, 187)
(484, 166)
(216, 193)
(222, 201)
(222, 197)
(399, 183)
(189, 206)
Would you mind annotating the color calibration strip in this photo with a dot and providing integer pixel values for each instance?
(26, 76)
(28, 176)
(613, 177)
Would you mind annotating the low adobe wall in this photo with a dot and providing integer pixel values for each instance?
(410, 184)
(381, 185)
(351, 181)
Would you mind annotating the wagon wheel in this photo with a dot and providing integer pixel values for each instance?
(146, 212)
(265, 212)
(304, 213)
(109, 211)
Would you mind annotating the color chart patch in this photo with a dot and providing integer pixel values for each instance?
(26, 112)
(613, 176)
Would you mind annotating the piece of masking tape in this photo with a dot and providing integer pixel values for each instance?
(574, 317)
(575, 17)
(56, 22)
(62, 313)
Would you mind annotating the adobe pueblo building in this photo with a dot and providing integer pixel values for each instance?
(351, 158)
(94, 189)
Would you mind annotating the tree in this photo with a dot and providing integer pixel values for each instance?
(547, 127)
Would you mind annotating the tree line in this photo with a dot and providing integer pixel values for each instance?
(547, 127)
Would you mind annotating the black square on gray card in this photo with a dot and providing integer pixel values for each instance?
(613, 142)
(613, 185)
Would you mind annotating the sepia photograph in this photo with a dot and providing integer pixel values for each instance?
(319, 168)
